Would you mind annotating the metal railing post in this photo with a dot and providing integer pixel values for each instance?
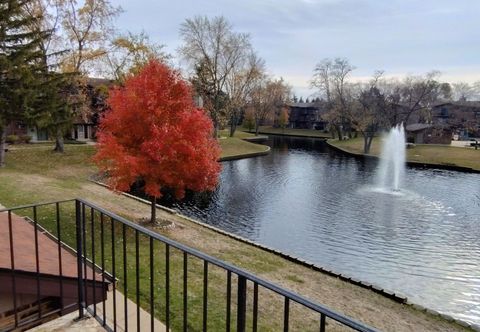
(79, 231)
(241, 303)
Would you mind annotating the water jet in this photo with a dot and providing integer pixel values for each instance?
(391, 169)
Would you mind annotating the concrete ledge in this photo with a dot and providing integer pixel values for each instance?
(246, 155)
(446, 317)
(293, 135)
(255, 138)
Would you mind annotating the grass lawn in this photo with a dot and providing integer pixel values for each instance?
(236, 146)
(290, 132)
(38, 175)
(423, 153)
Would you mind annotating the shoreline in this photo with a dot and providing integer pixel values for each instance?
(415, 164)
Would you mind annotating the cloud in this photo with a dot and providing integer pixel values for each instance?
(399, 36)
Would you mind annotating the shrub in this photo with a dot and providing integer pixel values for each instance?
(25, 138)
(12, 139)
(72, 141)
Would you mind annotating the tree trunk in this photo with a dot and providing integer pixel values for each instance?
(233, 125)
(215, 130)
(257, 127)
(3, 138)
(153, 215)
(59, 144)
(365, 144)
(339, 132)
(367, 139)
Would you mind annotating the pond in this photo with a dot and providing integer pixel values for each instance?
(307, 200)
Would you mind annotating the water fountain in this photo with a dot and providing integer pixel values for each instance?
(392, 163)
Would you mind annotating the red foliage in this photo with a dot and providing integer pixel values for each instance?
(154, 132)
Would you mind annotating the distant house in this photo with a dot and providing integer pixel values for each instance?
(85, 124)
(425, 133)
(35, 296)
(307, 115)
(20, 129)
(463, 118)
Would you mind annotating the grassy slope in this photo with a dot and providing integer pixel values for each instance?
(37, 174)
(426, 153)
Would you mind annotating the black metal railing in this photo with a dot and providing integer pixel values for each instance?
(156, 279)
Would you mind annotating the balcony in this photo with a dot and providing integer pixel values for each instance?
(75, 259)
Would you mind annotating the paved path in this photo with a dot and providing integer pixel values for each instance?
(68, 323)
(131, 314)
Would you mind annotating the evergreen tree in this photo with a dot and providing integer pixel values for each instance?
(56, 109)
(58, 90)
(20, 66)
(301, 100)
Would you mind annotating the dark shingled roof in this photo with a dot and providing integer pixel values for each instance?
(418, 126)
(306, 105)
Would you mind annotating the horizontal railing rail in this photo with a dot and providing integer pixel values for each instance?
(124, 268)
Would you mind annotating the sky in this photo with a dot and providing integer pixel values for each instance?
(400, 37)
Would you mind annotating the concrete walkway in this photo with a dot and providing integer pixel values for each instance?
(69, 323)
(90, 324)
(132, 314)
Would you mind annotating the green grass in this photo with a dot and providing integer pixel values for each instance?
(290, 132)
(422, 153)
(239, 133)
(236, 146)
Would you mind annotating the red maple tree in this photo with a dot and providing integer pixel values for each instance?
(153, 132)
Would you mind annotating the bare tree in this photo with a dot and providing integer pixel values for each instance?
(463, 91)
(322, 77)
(214, 50)
(268, 97)
(370, 112)
(331, 78)
(129, 52)
(418, 94)
(48, 14)
(239, 85)
(86, 26)
(476, 90)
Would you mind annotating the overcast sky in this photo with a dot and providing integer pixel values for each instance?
(398, 36)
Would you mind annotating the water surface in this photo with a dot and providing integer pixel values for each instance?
(307, 200)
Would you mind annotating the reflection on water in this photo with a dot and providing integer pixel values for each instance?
(307, 200)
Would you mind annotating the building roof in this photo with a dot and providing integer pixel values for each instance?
(315, 104)
(95, 82)
(24, 250)
(418, 126)
(458, 103)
